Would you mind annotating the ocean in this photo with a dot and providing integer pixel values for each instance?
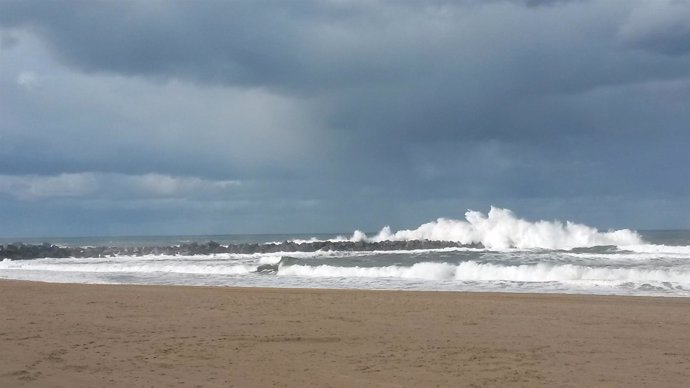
(494, 252)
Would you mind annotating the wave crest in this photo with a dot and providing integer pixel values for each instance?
(501, 229)
(473, 271)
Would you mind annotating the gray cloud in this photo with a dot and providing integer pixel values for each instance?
(308, 46)
(659, 26)
(114, 186)
(7, 41)
(81, 123)
(347, 113)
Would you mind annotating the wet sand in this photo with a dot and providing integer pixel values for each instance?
(63, 335)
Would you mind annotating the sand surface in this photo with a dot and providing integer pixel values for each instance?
(58, 335)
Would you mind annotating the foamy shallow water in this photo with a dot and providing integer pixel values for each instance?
(518, 256)
(623, 272)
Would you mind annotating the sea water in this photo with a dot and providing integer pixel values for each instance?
(509, 255)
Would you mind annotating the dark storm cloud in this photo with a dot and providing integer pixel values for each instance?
(312, 45)
(358, 108)
(236, 42)
(434, 50)
(659, 27)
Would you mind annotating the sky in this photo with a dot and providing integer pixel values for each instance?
(182, 117)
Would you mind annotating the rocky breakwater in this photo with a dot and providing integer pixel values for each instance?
(20, 251)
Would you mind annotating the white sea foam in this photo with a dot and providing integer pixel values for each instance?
(427, 271)
(501, 229)
(665, 250)
(473, 271)
(518, 256)
(134, 267)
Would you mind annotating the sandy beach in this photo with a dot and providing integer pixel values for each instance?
(65, 335)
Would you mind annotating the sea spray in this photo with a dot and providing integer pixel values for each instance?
(501, 229)
(496, 251)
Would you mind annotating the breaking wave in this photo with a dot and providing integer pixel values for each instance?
(177, 268)
(473, 271)
(501, 229)
(496, 251)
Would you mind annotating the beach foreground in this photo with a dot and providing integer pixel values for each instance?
(67, 335)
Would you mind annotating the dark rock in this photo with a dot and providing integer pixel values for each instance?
(20, 251)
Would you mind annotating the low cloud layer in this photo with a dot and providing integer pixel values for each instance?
(114, 186)
(338, 115)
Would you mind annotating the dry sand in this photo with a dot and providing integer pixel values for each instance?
(58, 335)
